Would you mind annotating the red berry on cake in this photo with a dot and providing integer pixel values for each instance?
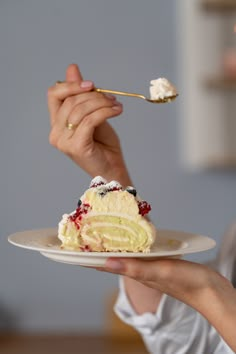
(144, 207)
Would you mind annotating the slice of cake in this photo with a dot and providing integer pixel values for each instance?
(108, 218)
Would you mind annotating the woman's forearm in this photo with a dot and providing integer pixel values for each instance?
(142, 298)
(196, 285)
(218, 306)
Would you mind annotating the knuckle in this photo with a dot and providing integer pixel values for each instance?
(136, 272)
(75, 149)
(50, 91)
(100, 96)
(69, 102)
(166, 270)
(76, 114)
(53, 138)
(96, 117)
(105, 113)
(142, 272)
(88, 121)
(61, 145)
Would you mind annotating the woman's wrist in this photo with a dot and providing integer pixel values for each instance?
(118, 173)
(217, 300)
(218, 306)
(223, 295)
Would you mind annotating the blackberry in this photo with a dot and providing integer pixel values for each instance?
(131, 190)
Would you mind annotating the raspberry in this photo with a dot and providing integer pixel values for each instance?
(78, 219)
(86, 248)
(73, 216)
(85, 208)
(78, 214)
(144, 207)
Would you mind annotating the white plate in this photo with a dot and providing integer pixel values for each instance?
(168, 243)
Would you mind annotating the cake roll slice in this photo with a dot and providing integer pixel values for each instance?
(109, 218)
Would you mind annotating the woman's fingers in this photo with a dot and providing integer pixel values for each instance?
(133, 268)
(80, 139)
(93, 111)
(84, 112)
(73, 74)
(143, 270)
(60, 91)
(84, 133)
(174, 277)
(75, 108)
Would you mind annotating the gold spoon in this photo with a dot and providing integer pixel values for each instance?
(137, 95)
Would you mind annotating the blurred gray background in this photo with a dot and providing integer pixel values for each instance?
(120, 45)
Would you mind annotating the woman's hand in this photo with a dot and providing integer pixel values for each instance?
(91, 143)
(186, 281)
(195, 284)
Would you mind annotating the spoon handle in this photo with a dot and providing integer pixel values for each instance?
(122, 93)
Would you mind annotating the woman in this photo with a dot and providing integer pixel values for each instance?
(158, 298)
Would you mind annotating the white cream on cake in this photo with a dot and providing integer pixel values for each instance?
(108, 219)
(161, 88)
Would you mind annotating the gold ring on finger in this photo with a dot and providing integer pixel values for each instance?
(70, 126)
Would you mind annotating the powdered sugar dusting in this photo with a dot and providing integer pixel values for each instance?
(102, 189)
(97, 181)
(113, 185)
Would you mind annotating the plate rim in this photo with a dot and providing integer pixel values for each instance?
(210, 243)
